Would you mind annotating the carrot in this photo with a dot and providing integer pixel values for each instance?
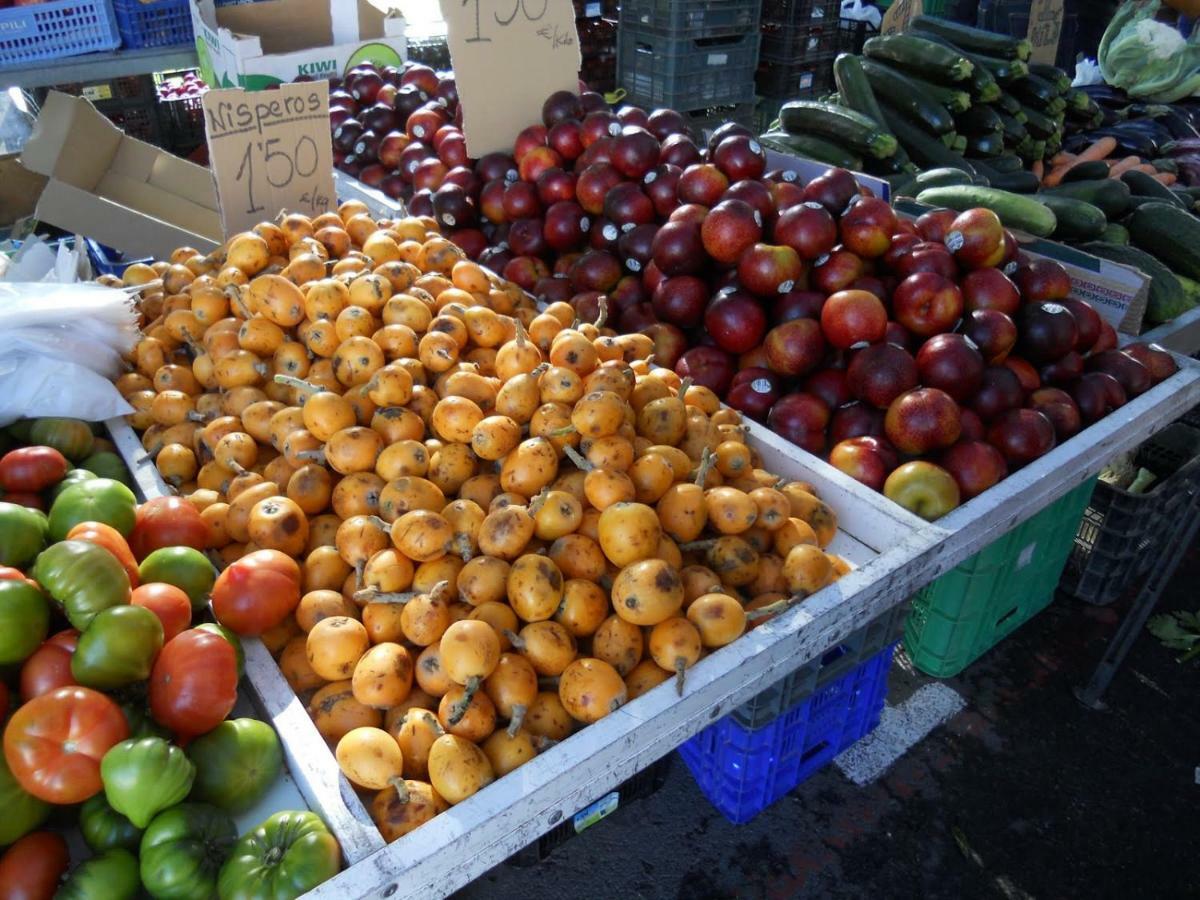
(1124, 166)
(1056, 174)
(1145, 167)
(1167, 178)
(1062, 157)
(1102, 149)
(1038, 169)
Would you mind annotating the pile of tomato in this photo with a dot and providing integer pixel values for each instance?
(117, 702)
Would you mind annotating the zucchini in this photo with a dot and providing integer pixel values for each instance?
(1111, 195)
(1011, 105)
(925, 58)
(814, 147)
(960, 144)
(955, 99)
(1091, 170)
(941, 178)
(1015, 210)
(1115, 234)
(1006, 164)
(1005, 71)
(925, 150)
(850, 129)
(903, 94)
(1039, 125)
(973, 40)
(1021, 182)
(1168, 232)
(1014, 131)
(980, 119)
(1168, 297)
(985, 144)
(1078, 220)
(854, 87)
(1060, 80)
(903, 183)
(950, 138)
(1037, 92)
(1143, 185)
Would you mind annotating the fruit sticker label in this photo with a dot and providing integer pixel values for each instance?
(508, 56)
(270, 151)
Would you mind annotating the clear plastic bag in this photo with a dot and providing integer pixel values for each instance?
(61, 346)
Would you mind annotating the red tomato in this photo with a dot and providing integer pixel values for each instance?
(54, 743)
(193, 685)
(8, 573)
(111, 540)
(167, 522)
(31, 868)
(257, 592)
(24, 498)
(32, 469)
(49, 666)
(169, 603)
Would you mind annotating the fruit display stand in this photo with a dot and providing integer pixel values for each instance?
(1181, 334)
(379, 203)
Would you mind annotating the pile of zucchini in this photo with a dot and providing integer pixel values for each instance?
(951, 96)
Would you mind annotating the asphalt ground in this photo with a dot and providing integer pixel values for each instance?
(1021, 793)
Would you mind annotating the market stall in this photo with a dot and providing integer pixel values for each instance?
(516, 452)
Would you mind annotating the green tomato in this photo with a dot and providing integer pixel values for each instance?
(107, 465)
(183, 849)
(118, 648)
(145, 776)
(186, 568)
(113, 875)
(22, 534)
(288, 854)
(84, 578)
(236, 763)
(24, 620)
(72, 477)
(23, 812)
(217, 628)
(106, 829)
(95, 500)
(72, 438)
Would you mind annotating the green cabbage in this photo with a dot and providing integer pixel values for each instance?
(1147, 58)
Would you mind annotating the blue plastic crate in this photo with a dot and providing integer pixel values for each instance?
(154, 23)
(742, 771)
(107, 261)
(30, 34)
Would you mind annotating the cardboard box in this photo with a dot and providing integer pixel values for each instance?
(121, 191)
(256, 45)
(19, 189)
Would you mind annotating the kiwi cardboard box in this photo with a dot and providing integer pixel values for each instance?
(123, 192)
(256, 45)
(1119, 293)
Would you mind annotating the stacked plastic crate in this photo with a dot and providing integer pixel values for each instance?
(799, 42)
(694, 56)
(596, 22)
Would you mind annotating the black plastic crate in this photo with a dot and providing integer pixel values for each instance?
(853, 33)
(643, 784)
(806, 79)
(792, 43)
(1120, 532)
(432, 52)
(686, 73)
(183, 124)
(692, 18)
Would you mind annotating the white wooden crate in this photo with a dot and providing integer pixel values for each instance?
(1181, 334)
(380, 204)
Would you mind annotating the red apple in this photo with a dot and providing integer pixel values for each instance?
(681, 300)
(837, 271)
(669, 343)
(1097, 394)
(795, 347)
(867, 226)
(1157, 360)
(708, 367)
(833, 190)
(927, 304)
(593, 185)
(736, 321)
(1062, 371)
(1022, 435)
(855, 420)
(927, 258)
(678, 248)
(1042, 279)
(976, 238)
(732, 227)
(769, 270)
(922, 488)
(1057, 406)
(1087, 322)
(990, 289)
(797, 305)
(830, 385)
(994, 333)
(853, 317)
(1134, 377)
(754, 394)
(880, 373)
(972, 425)
(952, 363)
(933, 225)
(802, 419)
(702, 183)
(975, 466)
(740, 156)
(1027, 375)
(865, 459)
(1047, 332)
(922, 420)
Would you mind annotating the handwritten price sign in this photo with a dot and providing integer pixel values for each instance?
(270, 151)
(1045, 28)
(509, 55)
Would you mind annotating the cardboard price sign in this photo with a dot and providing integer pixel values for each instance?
(509, 56)
(899, 14)
(270, 151)
(1045, 27)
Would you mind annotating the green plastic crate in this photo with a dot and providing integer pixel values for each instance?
(970, 609)
(937, 8)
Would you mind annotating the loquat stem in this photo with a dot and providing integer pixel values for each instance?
(520, 338)
(441, 591)
(518, 719)
(779, 606)
(603, 316)
(707, 460)
(460, 707)
(299, 384)
(402, 793)
(374, 595)
(580, 462)
(514, 639)
(680, 669)
(705, 544)
(683, 387)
